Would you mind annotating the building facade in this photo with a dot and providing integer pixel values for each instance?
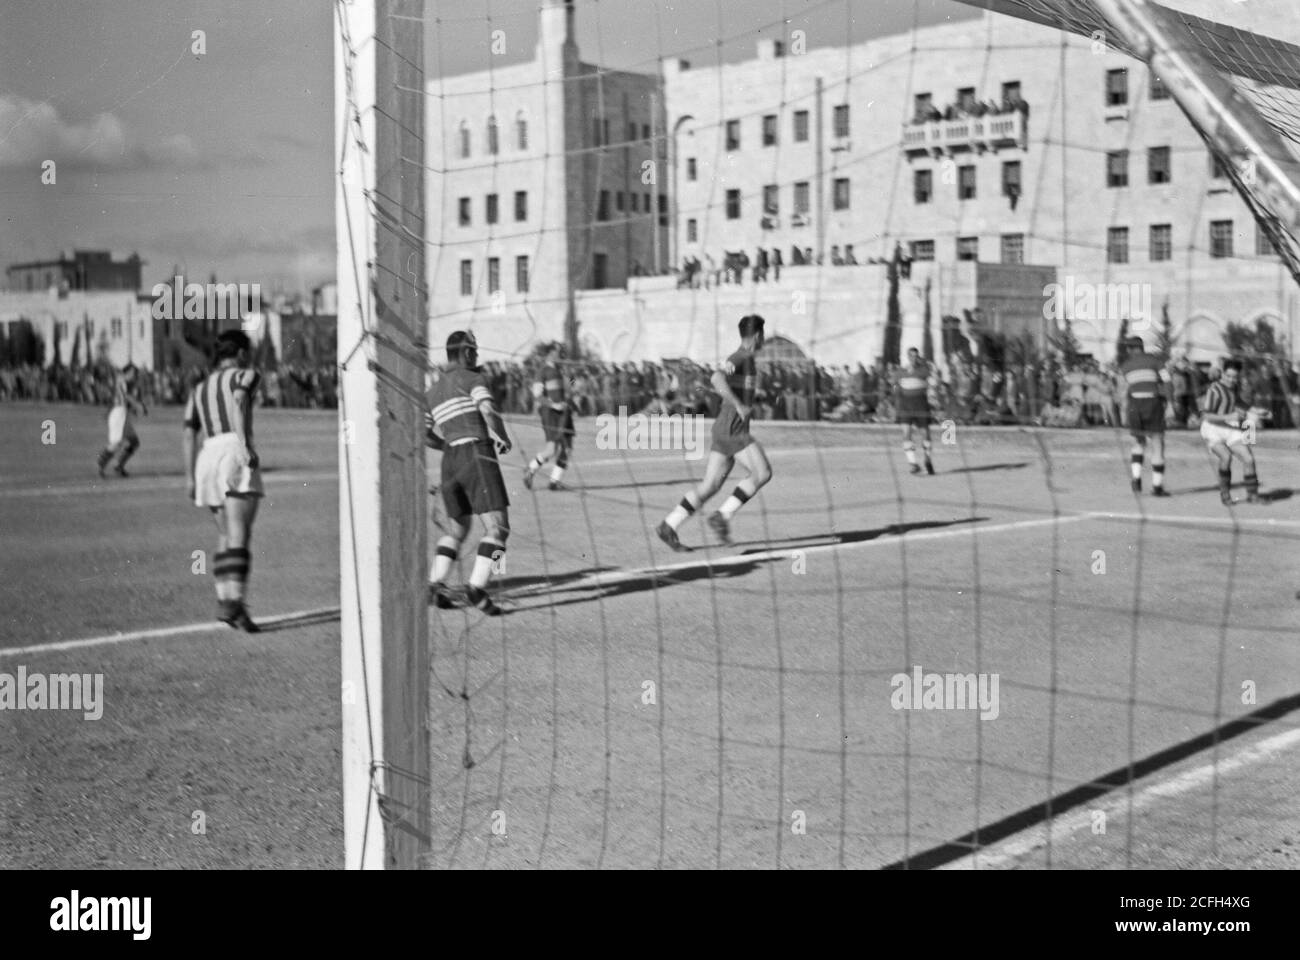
(82, 270)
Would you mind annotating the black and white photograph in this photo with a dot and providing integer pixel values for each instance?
(642, 435)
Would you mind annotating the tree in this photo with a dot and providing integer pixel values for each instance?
(1121, 345)
(1242, 340)
(1066, 343)
(1164, 333)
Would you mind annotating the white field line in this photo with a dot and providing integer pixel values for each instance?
(1035, 838)
(152, 485)
(591, 580)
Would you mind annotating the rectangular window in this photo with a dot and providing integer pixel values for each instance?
(645, 131)
(841, 194)
(1117, 87)
(1011, 178)
(1011, 91)
(490, 213)
(1221, 238)
(618, 201)
(769, 130)
(663, 209)
(600, 271)
(494, 274)
(464, 211)
(922, 249)
(733, 204)
(733, 135)
(645, 198)
(1013, 248)
(602, 209)
(691, 171)
(841, 120)
(1158, 165)
(922, 185)
(772, 199)
(521, 206)
(966, 182)
(968, 248)
(595, 131)
(801, 204)
(1263, 245)
(1117, 168)
(800, 126)
(1161, 242)
(467, 278)
(521, 274)
(1117, 245)
(1218, 167)
(965, 98)
(922, 104)
(115, 327)
(692, 230)
(1158, 89)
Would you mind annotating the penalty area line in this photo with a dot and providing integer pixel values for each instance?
(277, 621)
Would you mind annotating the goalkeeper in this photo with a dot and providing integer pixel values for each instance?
(1228, 428)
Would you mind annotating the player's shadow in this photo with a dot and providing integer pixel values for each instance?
(637, 483)
(1273, 495)
(990, 466)
(851, 536)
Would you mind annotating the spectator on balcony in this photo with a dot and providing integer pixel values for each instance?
(776, 264)
(796, 257)
(836, 259)
(760, 266)
(849, 259)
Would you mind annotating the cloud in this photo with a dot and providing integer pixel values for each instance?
(32, 132)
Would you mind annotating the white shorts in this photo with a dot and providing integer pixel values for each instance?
(222, 471)
(1217, 433)
(119, 426)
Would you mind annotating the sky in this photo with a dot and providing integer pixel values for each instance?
(221, 162)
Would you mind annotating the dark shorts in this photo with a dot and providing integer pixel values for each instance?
(471, 480)
(558, 426)
(730, 435)
(917, 418)
(1146, 415)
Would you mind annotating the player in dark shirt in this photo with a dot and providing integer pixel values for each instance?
(1147, 385)
(912, 401)
(557, 419)
(463, 423)
(736, 382)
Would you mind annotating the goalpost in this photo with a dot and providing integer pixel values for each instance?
(382, 351)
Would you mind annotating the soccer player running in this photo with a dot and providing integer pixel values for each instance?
(1149, 389)
(224, 474)
(1227, 428)
(122, 439)
(735, 381)
(557, 420)
(464, 424)
(913, 406)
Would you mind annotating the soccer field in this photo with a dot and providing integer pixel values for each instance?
(728, 707)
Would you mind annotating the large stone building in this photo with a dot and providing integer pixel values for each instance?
(543, 172)
(82, 270)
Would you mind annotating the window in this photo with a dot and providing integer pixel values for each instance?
(769, 130)
(778, 48)
(801, 126)
(1218, 167)
(841, 120)
(922, 185)
(801, 197)
(1011, 91)
(646, 200)
(966, 98)
(1263, 245)
(602, 209)
(922, 104)
(1011, 178)
(1117, 168)
(631, 131)
(493, 140)
(645, 131)
(1158, 165)
(115, 327)
(464, 139)
(521, 133)
(966, 182)
(733, 204)
(663, 209)
(840, 197)
(494, 274)
(1161, 242)
(1013, 248)
(1117, 245)
(692, 230)
(599, 271)
(968, 248)
(618, 201)
(1221, 238)
(521, 274)
(922, 249)
(733, 135)
(691, 171)
(1158, 89)
(464, 212)
(521, 206)
(1117, 87)
(772, 199)
(467, 278)
(490, 214)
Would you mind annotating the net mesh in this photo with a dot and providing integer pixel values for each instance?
(1015, 661)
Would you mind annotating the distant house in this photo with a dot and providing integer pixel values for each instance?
(82, 270)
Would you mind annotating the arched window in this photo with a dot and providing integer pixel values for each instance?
(493, 143)
(521, 131)
(464, 139)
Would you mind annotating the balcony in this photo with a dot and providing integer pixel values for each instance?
(992, 131)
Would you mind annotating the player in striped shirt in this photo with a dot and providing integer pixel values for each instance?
(464, 424)
(912, 402)
(224, 473)
(1228, 428)
(557, 419)
(1148, 386)
(122, 439)
(736, 380)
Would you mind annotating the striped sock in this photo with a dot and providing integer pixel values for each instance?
(1225, 481)
(443, 558)
(690, 503)
(488, 551)
(1157, 475)
(909, 450)
(232, 568)
(1135, 466)
(739, 497)
(1252, 483)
